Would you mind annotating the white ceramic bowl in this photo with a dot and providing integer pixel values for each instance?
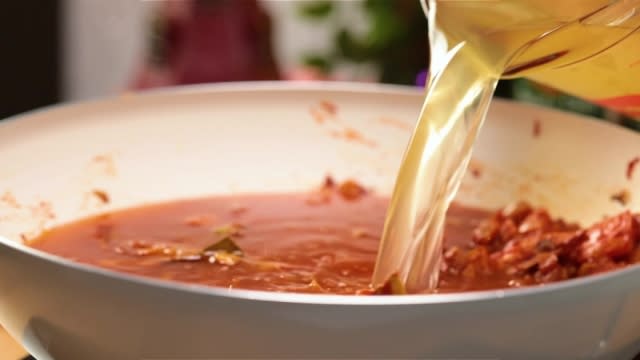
(262, 137)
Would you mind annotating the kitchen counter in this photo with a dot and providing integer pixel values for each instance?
(10, 348)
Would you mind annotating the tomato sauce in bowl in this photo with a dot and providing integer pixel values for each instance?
(326, 241)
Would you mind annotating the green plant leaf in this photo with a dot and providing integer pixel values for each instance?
(316, 9)
(226, 245)
(351, 48)
(393, 286)
(322, 63)
(378, 5)
(386, 30)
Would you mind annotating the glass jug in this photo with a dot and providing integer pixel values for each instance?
(587, 48)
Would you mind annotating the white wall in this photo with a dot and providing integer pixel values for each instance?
(103, 43)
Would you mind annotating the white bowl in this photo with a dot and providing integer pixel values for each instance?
(262, 137)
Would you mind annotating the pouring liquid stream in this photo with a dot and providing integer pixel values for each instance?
(473, 45)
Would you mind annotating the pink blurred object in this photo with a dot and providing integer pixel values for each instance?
(210, 41)
(150, 76)
(306, 74)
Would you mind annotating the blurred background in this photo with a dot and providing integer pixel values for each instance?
(72, 50)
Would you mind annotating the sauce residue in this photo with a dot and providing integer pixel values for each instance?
(631, 167)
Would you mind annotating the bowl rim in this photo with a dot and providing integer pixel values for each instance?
(229, 87)
(317, 299)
